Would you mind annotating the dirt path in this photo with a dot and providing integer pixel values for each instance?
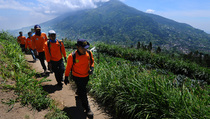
(65, 97)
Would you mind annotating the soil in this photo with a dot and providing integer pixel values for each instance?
(16, 110)
(65, 97)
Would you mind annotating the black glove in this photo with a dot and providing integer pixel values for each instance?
(91, 70)
(66, 80)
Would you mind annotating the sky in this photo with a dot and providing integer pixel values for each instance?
(15, 14)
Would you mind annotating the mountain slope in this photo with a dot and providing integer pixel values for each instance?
(115, 22)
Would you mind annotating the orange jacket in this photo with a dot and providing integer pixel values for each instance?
(21, 40)
(81, 66)
(28, 43)
(38, 42)
(55, 51)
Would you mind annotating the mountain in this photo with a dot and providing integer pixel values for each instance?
(116, 23)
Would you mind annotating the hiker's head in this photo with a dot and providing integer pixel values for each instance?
(52, 34)
(29, 34)
(82, 45)
(20, 33)
(37, 29)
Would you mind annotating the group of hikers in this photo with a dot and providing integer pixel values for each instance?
(80, 63)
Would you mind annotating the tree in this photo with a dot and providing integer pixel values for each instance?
(150, 46)
(158, 49)
(138, 45)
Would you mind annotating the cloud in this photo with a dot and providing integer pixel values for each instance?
(61, 6)
(20, 13)
(150, 11)
(13, 4)
(55, 7)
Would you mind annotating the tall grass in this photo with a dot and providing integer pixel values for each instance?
(132, 92)
(174, 65)
(29, 90)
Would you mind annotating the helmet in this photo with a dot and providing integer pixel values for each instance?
(51, 32)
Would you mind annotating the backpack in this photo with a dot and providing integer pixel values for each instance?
(48, 44)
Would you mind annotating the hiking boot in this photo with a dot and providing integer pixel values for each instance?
(34, 61)
(60, 84)
(89, 113)
(45, 72)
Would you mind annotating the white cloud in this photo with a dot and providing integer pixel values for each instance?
(38, 11)
(61, 6)
(13, 4)
(150, 11)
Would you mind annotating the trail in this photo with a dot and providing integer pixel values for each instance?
(65, 97)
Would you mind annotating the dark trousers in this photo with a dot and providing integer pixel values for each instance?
(32, 53)
(58, 69)
(41, 57)
(81, 83)
(22, 46)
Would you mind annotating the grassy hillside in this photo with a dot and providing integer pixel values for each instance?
(135, 89)
(127, 88)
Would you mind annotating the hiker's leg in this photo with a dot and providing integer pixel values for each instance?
(32, 53)
(41, 58)
(61, 69)
(22, 47)
(55, 70)
(82, 91)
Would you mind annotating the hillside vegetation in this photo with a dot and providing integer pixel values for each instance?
(130, 87)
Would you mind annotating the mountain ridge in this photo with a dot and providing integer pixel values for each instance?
(115, 22)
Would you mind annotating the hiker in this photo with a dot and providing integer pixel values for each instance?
(38, 41)
(54, 49)
(81, 65)
(29, 46)
(21, 40)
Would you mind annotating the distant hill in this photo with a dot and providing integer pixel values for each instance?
(116, 23)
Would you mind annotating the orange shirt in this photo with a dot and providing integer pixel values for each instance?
(55, 50)
(81, 66)
(21, 40)
(38, 42)
(28, 43)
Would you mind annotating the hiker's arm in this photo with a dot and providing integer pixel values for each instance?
(63, 51)
(47, 54)
(69, 65)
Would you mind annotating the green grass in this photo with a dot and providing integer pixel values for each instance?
(129, 90)
(13, 66)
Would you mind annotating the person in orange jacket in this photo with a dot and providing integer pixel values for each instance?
(38, 41)
(29, 45)
(21, 40)
(81, 63)
(54, 51)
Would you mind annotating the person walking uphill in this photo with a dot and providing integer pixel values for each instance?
(29, 45)
(54, 49)
(21, 40)
(38, 41)
(81, 63)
